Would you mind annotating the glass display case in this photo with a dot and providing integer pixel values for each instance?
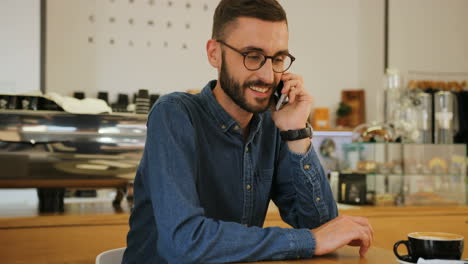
(408, 174)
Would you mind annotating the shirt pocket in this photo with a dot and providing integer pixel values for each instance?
(263, 180)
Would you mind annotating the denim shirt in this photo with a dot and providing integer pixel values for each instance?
(201, 191)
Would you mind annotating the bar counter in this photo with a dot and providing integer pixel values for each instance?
(85, 230)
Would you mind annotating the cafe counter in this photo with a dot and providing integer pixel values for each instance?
(85, 230)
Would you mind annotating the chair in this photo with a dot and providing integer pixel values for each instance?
(112, 256)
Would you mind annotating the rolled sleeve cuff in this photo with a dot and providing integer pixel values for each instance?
(301, 155)
(306, 161)
(302, 243)
(307, 169)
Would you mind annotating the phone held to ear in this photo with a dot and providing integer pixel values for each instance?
(280, 99)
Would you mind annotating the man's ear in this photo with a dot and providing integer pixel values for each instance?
(213, 50)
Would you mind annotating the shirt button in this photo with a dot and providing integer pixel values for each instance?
(306, 167)
(247, 149)
(236, 127)
(223, 126)
(318, 199)
(248, 187)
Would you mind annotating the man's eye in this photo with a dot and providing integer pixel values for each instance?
(279, 60)
(254, 57)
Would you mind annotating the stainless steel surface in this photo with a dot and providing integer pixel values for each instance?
(424, 109)
(444, 116)
(58, 145)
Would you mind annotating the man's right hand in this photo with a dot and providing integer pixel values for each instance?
(343, 230)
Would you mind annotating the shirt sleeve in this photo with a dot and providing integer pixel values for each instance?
(185, 234)
(301, 191)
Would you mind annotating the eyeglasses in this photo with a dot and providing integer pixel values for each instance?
(254, 60)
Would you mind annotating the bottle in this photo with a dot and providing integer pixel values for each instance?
(443, 117)
(121, 104)
(79, 95)
(103, 96)
(142, 104)
(424, 117)
(392, 94)
(153, 99)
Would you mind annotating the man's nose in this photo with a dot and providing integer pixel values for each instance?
(266, 73)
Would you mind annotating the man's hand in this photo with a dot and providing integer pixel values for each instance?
(341, 231)
(294, 114)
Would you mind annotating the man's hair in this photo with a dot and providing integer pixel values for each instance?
(229, 10)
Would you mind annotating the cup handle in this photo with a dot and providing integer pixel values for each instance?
(395, 250)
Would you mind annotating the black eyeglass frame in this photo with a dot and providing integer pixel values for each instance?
(245, 53)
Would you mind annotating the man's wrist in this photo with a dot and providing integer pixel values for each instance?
(285, 127)
(300, 146)
(297, 134)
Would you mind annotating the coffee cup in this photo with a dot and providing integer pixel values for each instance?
(431, 245)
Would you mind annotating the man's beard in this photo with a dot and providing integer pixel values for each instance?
(237, 92)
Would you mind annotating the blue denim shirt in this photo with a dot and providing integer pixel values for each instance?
(201, 191)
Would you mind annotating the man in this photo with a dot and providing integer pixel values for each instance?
(213, 161)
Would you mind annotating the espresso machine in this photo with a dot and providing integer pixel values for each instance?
(49, 149)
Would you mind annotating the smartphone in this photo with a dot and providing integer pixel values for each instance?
(280, 99)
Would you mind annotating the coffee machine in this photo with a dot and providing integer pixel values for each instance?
(44, 147)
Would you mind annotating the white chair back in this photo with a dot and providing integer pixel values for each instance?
(113, 256)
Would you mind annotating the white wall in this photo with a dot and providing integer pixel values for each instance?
(19, 46)
(429, 35)
(371, 55)
(76, 64)
(71, 63)
(325, 38)
(338, 45)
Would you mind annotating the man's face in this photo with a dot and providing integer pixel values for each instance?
(237, 91)
(252, 90)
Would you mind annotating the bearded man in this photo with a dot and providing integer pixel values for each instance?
(214, 160)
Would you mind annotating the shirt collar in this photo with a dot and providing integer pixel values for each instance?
(224, 120)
